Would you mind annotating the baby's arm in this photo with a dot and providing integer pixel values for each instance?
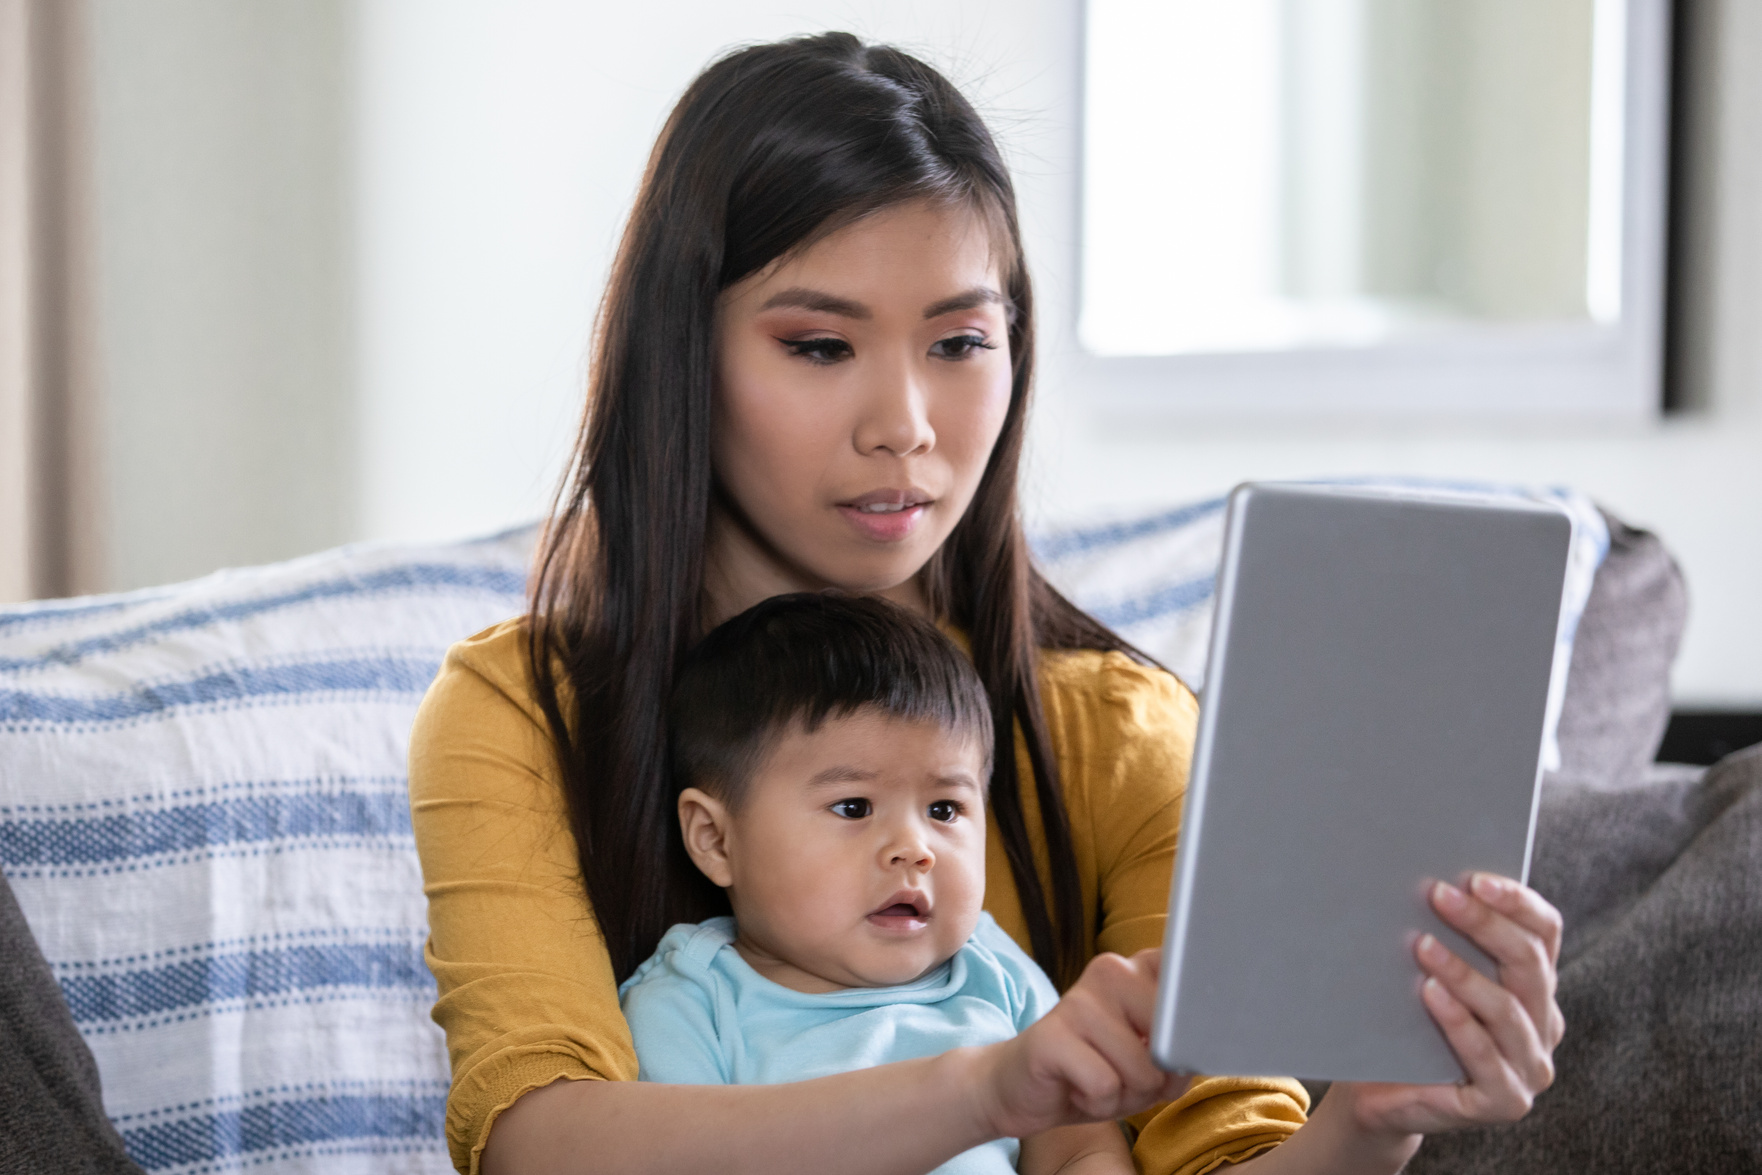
(1093, 1148)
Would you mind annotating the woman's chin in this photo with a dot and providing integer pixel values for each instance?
(891, 574)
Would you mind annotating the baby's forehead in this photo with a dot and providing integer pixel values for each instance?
(871, 744)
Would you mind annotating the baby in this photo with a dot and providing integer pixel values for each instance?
(832, 754)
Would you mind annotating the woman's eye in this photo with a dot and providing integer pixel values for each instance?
(944, 811)
(822, 350)
(852, 809)
(961, 346)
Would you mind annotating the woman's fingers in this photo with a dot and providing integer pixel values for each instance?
(1503, 1032)
(1524, 952)
(1523, 906)
(1493, 1092)
(1503, 1018)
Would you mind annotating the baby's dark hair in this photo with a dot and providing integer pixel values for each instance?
(804, 658)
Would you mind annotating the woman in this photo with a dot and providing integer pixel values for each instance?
(812, 371)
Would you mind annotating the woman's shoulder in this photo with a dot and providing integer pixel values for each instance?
(487, 674)
(1122, 733)
(1114, 693)
(496, 656)
(482, 711)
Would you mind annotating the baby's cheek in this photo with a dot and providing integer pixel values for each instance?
(963, 889)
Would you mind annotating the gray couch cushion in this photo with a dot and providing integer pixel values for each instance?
(1618, 691)
(51, 1109)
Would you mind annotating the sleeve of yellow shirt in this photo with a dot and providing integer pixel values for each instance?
(526, 994)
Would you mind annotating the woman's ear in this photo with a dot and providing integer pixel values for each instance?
(704, 822)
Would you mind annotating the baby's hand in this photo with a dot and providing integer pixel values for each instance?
(1087, 1060)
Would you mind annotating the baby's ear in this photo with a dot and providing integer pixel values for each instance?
(703, 822)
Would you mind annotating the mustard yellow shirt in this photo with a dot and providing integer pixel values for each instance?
(526, 989)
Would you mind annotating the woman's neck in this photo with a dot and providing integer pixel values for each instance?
(741, 569)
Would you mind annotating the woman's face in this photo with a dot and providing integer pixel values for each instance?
(861, 385)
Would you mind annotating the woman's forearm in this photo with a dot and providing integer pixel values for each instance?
(898, 1119)
(1333, 1143)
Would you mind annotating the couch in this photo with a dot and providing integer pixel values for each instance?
(203, 817)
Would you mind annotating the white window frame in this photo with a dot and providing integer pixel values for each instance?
(1585, 371)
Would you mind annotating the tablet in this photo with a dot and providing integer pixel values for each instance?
(1371, 720)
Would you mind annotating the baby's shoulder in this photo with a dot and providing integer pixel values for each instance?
(672, 1004)
(998, 969)
(686, 956)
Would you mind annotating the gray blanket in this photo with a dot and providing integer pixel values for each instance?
(1660, 982)
(51, 1111)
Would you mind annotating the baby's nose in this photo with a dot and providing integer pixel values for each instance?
(911, 850)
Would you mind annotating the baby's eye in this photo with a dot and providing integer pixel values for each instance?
(820, 350)
(945, 811)
(960, 346)
(853, 809)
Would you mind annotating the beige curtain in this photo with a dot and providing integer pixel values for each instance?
(50, 507)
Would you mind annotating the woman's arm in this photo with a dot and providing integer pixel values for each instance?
(1083, 1062)
(1096, 1148)
(898, 1119)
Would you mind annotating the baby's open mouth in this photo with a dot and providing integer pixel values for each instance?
(905, 910)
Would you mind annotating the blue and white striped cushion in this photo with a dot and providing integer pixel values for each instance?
(203, 813)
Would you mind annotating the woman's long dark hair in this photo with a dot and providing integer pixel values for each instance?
(770, 148)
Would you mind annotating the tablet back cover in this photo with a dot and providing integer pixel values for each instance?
(1372, 719)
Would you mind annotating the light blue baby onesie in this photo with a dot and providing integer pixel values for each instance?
(701, 1016)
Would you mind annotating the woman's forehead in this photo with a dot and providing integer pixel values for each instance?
(911, 253)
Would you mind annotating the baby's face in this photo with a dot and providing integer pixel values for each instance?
(857, 855)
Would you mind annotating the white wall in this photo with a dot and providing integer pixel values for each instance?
(225, 281)
(496, 146)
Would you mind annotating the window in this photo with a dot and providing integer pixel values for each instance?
(1411, 206)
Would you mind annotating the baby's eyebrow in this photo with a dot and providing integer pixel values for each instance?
(842, 774)
(961, 780)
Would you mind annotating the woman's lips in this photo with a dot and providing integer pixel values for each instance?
(885, 516)
(888, 527)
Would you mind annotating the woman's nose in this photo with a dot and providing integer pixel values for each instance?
(895, 415)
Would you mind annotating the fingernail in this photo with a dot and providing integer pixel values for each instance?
(1488, 887)
(1429, 948)
(1448, 896)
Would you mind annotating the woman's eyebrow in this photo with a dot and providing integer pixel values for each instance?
(977, 296)
(802, 298)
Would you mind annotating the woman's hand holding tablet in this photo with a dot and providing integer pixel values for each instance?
(1503, 1033)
